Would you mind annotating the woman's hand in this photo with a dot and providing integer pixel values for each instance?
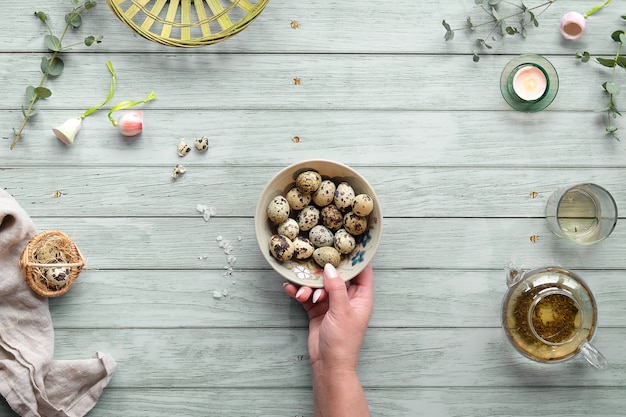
(338, 318)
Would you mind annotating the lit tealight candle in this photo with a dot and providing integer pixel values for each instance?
(529, 83)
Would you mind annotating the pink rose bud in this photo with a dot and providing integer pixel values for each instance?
(130, 122)
(68, 130)
(573, 25)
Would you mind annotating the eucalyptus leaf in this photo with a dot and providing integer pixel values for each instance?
(469, 23)
(90, 40)
(478, 2)
(494, 2)
(449, 33)
(611, 128)
(621, 61)
(475, 57)
(610, 63)
(42, 16)
(73, 19)
(584, 57)
(42, 92)
(494, 13)
(612, 88)
(51, 67)
(511, 30)
(53, 43)
(622, 38)
(90, 4)
(30, 113)
(30, 92)
(617, 35)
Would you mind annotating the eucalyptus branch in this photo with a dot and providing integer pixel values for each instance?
(611, 87)
(53, 66)
(497, 23)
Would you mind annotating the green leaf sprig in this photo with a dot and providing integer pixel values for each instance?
(499, 25)
(611, 87)
(53, 66)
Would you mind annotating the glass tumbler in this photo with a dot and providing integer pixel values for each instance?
(582, 213)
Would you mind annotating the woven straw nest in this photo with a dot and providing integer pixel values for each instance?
(187, 23)
(51, 262)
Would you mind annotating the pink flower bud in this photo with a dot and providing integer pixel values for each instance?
(130, 122)
(68, 130)
(573, 25)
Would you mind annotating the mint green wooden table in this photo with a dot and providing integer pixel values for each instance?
(462, 177)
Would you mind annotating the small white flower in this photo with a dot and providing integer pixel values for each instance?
(302, 273)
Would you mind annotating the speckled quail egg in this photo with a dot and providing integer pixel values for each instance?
(297, 199)
(355, 225)
(303, 248)
(308, 218)
(362, 205)
(344, 196)
(278, 209)
(331, 217)
(289, 228)
(321, 236)
(202, 144)
(308, 181)
(325, 194)
(344, 242)
(57, 277)
(327, 255)
(281, 247)
(183, 148)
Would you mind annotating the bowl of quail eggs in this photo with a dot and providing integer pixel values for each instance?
(316, 212)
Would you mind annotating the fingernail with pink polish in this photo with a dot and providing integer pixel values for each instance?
(300, 292)
(330, 271)
(316, 295)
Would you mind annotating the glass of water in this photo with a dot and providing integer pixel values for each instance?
(583, 213)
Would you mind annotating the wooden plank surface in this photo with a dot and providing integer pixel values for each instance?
(462, 178)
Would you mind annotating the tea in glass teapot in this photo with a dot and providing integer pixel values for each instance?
(549, 315)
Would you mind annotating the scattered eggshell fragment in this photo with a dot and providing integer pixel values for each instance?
(183, 148)
(178, 171)
(202, 144)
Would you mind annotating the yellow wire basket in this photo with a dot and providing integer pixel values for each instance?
(187, 23)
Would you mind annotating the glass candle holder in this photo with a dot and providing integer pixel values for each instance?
(529, 83)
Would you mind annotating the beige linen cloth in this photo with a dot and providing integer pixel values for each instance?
(32, 382)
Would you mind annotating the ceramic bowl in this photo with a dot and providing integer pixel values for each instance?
(307, 272)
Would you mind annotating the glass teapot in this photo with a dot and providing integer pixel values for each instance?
(550, 315)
